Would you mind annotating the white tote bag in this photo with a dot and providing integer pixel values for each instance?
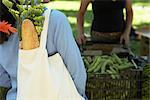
(44, 78)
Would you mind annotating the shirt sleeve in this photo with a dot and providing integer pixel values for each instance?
(4, 78)
(65, 44)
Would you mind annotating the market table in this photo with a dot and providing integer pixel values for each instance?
(145, 43)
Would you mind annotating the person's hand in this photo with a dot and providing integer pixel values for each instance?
(81, 39)
(124, 39)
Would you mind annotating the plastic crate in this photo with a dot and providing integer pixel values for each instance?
(127, 87)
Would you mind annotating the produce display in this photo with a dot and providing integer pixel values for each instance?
(111, 77)
(106, 64)
(146, 83)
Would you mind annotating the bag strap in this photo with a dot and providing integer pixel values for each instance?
(43, 38)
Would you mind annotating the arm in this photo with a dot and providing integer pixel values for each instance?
(129, 17)
(4, 78)
(80, 21)
(64, 43)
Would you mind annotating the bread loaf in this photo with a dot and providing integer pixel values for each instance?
(29, 35)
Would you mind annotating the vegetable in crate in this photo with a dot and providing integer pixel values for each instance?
(119, 83)
(106, 64)
(94, 64)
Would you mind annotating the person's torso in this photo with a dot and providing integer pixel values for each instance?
(9, 61)
(108, 15)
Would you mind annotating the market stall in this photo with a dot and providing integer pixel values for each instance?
(114, 72)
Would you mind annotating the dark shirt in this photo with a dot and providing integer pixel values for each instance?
(108, 15)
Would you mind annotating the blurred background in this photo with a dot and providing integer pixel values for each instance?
(141, 19)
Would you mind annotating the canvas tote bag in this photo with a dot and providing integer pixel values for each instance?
(41, 77)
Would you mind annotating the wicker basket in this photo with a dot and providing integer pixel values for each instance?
(103, 87)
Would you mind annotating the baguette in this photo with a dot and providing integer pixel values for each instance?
(29, 35)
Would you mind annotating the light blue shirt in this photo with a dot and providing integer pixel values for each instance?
(60, 39)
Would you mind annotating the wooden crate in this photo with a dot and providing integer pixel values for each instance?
(102, 48)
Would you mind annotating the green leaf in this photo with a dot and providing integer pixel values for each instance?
(38, 1)
(7, 3)
(32, 3)
(14, 13)
(20, 8)
(21, 2)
